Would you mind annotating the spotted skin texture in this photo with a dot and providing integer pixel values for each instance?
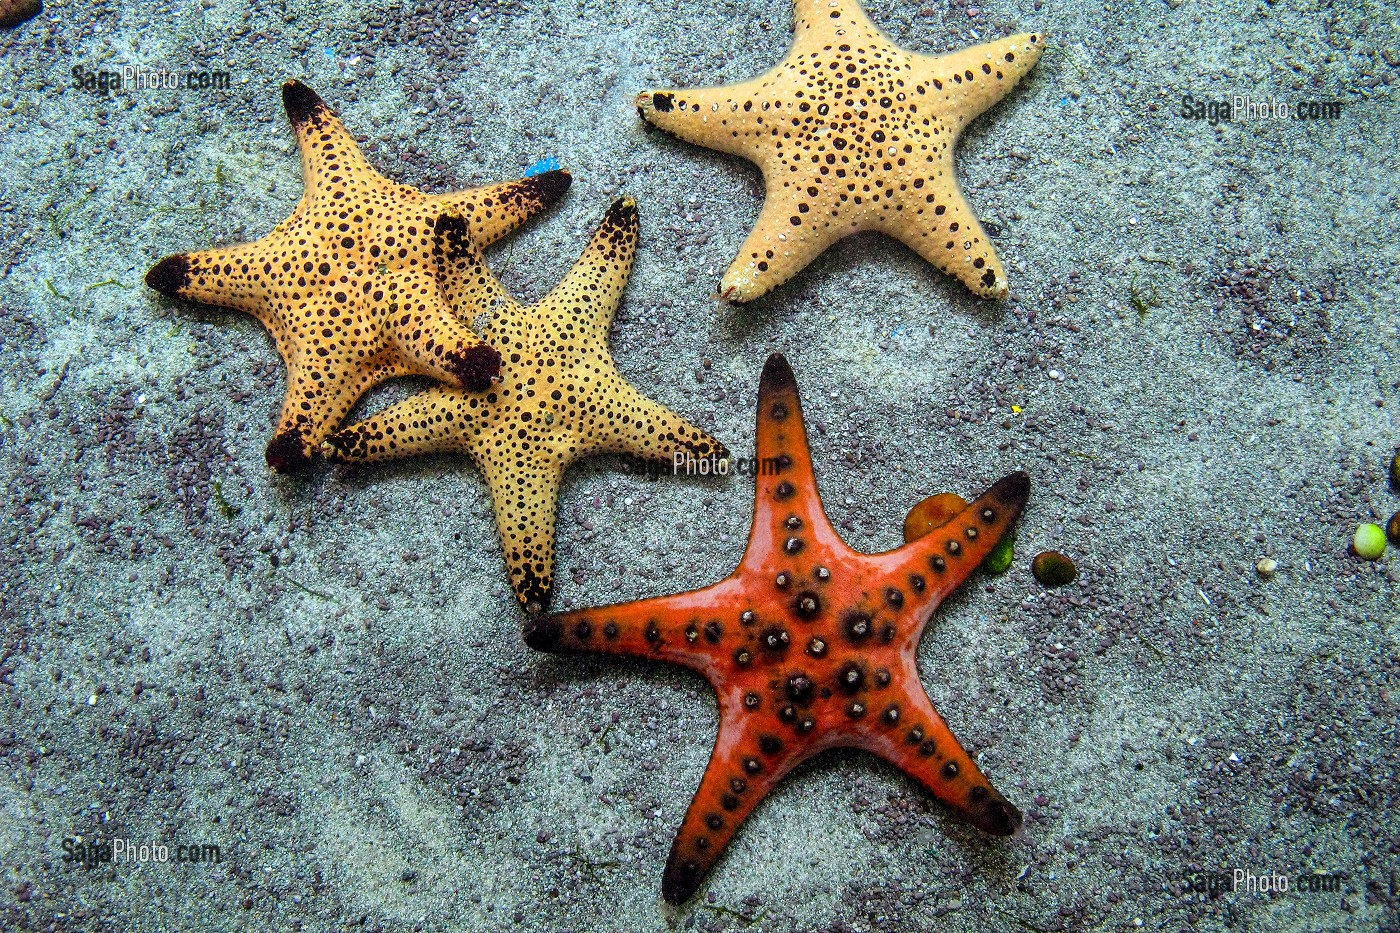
(809, 645)
(346, 286)
(561, 397)
(853, 133)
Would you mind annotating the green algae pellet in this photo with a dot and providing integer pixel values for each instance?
(1053, 568)
(1001, 557)
(1392, 529)
(1369, 543)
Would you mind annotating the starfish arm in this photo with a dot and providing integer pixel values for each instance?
(787, 506)
(747, 762)
(973, 79)
(784, 240)
(230, 277)
(729, 118)
(329, 154)
(431, 338)
(433, 422)
(592, 289)
(318, 399)
(819, 22)
(630, 423)
(469, 286)
(954, 241)
(525, 495)
(946, 556)
(496, 210)
(678, 629)
(909, 733)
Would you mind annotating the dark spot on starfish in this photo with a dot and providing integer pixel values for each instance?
(938, 564)
(857, 627)
(788, 713)
(816, 647)
(779, 411)
(954, 548)
(883, 677)
(752, 700)
(793, 523)
(301, 102)
(891, 715)
(747, 617)
(170, 276)
(662, 102)
(770, 744)
(915, 736)
(807, 604)
(894, 597)
(928, 748)
(776, 639)
(743, 657)
(752, 765)
(793, 545)
(777, 375)
(543, 633)
(729, 802)
(286, 452)
(714, 821)
(989, 278)
(799, 688)
(584, 630)
(850, 678)
(917, 583)
(610, 630)
(653, 632)
(784, 490)
(950, 770)
(713, 632)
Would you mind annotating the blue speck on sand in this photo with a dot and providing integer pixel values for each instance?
(549, 164)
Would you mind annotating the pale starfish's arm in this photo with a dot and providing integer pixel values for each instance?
(948, 234)
(592, 289)
(627, 422)
(787, 236)
(496, 210)
(231, 277)
(821, 22)
(324, 141)
(730, 118)
(471, 289)
(910, 734)
(430, 336)
(439, 420)
(525, 493)
(318, 399)
(973, 79)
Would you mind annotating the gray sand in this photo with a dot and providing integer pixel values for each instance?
(324, 676)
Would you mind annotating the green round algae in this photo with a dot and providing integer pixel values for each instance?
(999, 560)
(1369, 541)
(1392, 529)
(1053, 568)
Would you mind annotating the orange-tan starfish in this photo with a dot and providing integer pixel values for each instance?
(808, 644)
(561, 397)
(853, 133)
(345, 285)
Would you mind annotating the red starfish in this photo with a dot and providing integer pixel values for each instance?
(808, 644)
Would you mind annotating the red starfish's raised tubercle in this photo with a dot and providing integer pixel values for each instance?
(809, 644)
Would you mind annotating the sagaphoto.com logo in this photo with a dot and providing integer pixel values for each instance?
(128, 79)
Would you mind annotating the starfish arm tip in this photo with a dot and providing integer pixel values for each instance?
(543, 632)
(777, 374)
(170, 276)
(287, 453)
(551, 186)
(301, 102)
(1013, 490)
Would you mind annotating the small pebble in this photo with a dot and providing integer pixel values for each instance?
(1267, 566)
(933, 512)
(1053, 568)
(1001, 557)
(1369, 542)
(1395, 470)
(1392, 529)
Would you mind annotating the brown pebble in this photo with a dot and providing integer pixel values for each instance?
(1392, 529)
(1052, 568)
(933, 512)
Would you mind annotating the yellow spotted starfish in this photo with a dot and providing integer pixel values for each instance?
(561, 397)
(853, 133)
(346, 286)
